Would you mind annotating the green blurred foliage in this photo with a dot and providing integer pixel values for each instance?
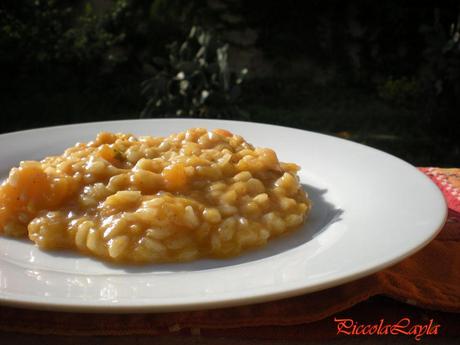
(441, 74)
(359, 43)
(41, 32)
(401, 92)
(195, 80)
(70, 61)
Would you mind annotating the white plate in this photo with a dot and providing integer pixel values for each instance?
(370, 210)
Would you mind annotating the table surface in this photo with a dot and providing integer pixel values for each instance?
(24, 339)
(369, 311)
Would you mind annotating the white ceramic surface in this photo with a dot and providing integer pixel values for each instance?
(370, 210)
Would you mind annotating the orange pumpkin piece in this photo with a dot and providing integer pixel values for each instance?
(175, 177)
(223, 132)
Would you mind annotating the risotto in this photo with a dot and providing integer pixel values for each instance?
(142, 199)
